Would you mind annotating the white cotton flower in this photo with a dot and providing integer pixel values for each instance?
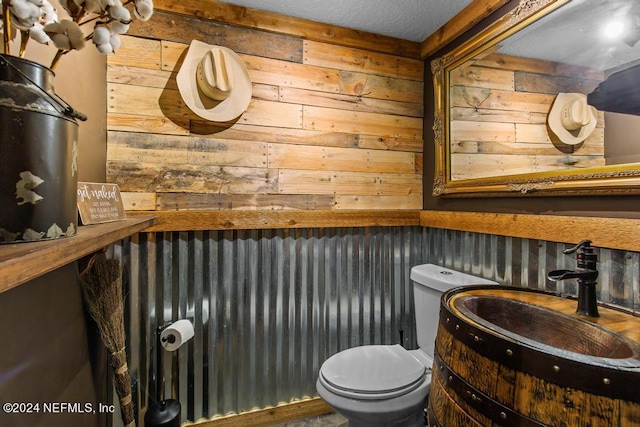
(40, 19)
(118, 27)
(120, 13)
(76, 37)
(65, 35)
(24, 10)
(101, 35)
(38, 34)
(115, 42)
(105, 48)
(143, 9)
(34, 23)
(48, 14)
(60, 41)
(110, 46)
(23, 24)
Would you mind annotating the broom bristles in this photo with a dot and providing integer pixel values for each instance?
(102, 288)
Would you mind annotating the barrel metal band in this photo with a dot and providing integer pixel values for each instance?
(484, 404)
(618, 383)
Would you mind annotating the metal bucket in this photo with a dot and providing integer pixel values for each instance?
(38, 155)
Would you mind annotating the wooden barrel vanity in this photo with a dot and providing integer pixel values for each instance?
(520, 357)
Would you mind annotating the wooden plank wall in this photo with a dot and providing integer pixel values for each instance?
(499, 107)
(329, 126)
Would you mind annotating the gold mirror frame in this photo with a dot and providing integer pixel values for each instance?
(619, 179)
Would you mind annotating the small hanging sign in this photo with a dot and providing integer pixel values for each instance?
(99, 202)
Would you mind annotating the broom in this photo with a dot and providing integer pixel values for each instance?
(102, 290)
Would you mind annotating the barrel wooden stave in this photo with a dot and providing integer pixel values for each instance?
(536, 400)
(447, 412)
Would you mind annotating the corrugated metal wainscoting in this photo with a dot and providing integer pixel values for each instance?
(269, 306)
(526, 262)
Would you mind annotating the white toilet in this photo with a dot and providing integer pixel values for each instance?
(386, 385)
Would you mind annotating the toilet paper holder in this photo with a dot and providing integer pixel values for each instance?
(174, 335)
(167, 412)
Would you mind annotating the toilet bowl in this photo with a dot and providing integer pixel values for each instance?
(376, 385)
(387, 385)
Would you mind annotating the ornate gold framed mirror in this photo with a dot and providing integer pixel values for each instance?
(545, 101)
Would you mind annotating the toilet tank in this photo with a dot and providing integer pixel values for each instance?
(429, 283)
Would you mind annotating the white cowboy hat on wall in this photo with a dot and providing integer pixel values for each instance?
(571, 119)
(214, 82)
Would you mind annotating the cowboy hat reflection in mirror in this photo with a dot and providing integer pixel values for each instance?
(571, 118)
(214, 82)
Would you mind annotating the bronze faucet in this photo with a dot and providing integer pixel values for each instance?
(587, 275)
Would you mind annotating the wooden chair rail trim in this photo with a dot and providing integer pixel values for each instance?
(239, 220)
(286, 25)
(463, 21)
(614, 233)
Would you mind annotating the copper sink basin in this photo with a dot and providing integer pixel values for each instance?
(543, 328)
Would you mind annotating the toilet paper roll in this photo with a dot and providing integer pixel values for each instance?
(176, 334)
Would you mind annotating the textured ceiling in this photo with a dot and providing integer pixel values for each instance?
(413, 20)
(575, 34)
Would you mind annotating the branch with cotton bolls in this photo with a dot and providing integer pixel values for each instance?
(38, 20)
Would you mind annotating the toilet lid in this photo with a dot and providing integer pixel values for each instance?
(381, 371)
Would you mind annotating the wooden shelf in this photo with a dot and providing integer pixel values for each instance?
(21, 262)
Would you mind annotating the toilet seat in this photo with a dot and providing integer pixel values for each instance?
(372, 372)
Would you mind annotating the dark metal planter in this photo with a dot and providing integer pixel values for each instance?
(38, 155)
